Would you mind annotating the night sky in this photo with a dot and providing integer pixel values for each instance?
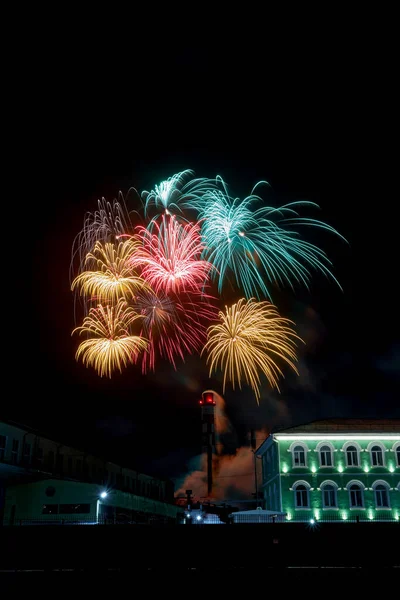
(308, 121)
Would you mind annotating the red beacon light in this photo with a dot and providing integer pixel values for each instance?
(208, 398)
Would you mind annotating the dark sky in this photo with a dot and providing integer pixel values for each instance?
(312, 116)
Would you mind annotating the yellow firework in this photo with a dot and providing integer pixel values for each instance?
(249, 338)
(111, 346)
(112, 277)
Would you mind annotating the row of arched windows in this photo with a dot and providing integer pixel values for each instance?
(329, 489)
(351, 451)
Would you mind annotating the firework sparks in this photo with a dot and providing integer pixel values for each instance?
(173, 194)
(169, 256)
(173, 325)
(114, 277)
(111, 346)
(258, 246)
(111, 220)
(249, 338)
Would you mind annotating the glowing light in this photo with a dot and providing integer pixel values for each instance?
(366, 468)
(260, 335)
(391, 468)
(344, 516)
(316, 514)
(313, 469)
(370, 515)
(114, 277)
(259, 245)
(340, 468)
(285, 468)
(312, 521)
(288, 517)
(336, 436)
(198, 517)
(111, 346)
(396, 516)
(170, 258)
(103, 495)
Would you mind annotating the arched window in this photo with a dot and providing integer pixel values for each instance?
(301, 495)
(352, 456)
(329, 494)
(356, 495)
(299, 456)
(381, 490)
(376, 456)
(396, 450)
(325, 456)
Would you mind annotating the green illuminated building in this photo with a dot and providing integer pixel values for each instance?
(336, 469)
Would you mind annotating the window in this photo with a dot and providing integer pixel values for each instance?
(3, 444)
(39, 456)
(59, 462)
(381, 490)
(27, 452)
(356, 496)
(50, 509)
(14, 452)
(398, 455)
(325, 456)
(74, 509)
(51, 459)
(352, 456)
(329, 496)
(299, 456)
(301, 495)
(376, 456)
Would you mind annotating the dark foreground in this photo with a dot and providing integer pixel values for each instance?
(255, 555)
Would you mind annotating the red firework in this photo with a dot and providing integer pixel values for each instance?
(169, 257)
(174, 325)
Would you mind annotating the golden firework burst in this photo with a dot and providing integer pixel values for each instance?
(250, 337)
(113, 276)
(111, 345)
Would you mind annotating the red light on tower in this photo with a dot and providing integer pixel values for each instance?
(209, 398)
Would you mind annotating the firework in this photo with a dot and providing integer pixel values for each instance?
(249, 338)
(110, 345)
(173, 195)
(111, 220)
(169, 256)
(113, 276)
(258, 246)
(174, 325)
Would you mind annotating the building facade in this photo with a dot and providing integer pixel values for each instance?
(26, 457)
(336, 469)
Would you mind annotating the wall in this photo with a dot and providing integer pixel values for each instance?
(366, 474)
(29, 499)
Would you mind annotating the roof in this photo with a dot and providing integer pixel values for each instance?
(346, 426)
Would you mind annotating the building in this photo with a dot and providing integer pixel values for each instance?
(335, 469)
(32, 466)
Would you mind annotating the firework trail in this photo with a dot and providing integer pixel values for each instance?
(257, 246)
(249, 338)
(110, 345)
(174, 325)
(113, 276)
(169, 256)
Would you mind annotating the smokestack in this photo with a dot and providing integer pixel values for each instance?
(208, 404)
